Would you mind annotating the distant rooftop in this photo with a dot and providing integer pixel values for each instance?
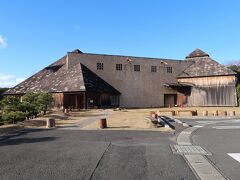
(197, 53)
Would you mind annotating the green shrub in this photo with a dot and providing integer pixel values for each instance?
(36, 102)
(44, 101)
(2, 90)
(32, 104)
(1, 120)
(238, 93)
(13, 116)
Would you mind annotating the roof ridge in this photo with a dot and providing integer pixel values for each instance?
(132, 56)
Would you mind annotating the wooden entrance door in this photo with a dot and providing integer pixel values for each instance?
(73, 101)
(170, 100)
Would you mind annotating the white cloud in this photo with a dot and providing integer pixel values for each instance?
(9, 80)
(3, 43)
(77, 27)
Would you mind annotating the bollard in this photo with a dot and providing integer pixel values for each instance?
(193, 113)
(224, 113)
(232, 113)
(151, 113)
(205, 113)
(50, 123)
(215, 113)
(103, 123)
(66, 110)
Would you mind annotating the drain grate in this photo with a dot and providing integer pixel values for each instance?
(189, 149)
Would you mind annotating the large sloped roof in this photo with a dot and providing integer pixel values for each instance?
(205, 66)
(94, 83)
(58, 78)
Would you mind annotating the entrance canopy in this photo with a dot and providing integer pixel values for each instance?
(183, 88)
(178, 85)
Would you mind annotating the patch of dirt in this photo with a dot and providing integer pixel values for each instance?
(131, 119)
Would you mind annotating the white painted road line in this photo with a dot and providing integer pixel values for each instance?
(198, 126)
(226, 127)
(233, 121)
(235, 156)
(205, 122)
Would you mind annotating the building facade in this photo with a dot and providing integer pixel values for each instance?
(84, 80)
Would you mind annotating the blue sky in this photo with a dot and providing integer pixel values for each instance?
(34, 34)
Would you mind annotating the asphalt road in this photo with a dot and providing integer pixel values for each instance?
(78, 154)
(222, 140)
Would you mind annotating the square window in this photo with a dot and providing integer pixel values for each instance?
(153, 68)
(169, 69)
(136, 67)
(99, 66)
(118, 67)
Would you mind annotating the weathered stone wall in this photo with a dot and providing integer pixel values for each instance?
(138, 89)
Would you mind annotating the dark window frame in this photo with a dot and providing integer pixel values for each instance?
(100, 66)
(153, 68)
(119, 67)
(169, 69)
(137, 68)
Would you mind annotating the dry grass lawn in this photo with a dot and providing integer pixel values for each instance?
(130, 119)
(134, 119)
(61, 118)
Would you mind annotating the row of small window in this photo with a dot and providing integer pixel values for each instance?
(119, 67)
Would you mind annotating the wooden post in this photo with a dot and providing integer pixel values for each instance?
(205, 113)
(84, 100)
(103, 123)
(50, 123)
(232, 113)
(76, 101)
(215, 113)
(224, 113)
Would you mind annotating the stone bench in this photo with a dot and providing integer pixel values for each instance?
(173, 113)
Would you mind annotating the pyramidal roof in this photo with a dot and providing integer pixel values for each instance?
(205, 66)
(197, 53)
(58, 78)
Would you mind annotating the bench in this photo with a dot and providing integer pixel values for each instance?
(173, 113)
(192, 112)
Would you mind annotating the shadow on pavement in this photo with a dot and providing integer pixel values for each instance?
(26, 140)
(20, 133)
(117, 127)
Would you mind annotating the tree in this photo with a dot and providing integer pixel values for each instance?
(11, 109)
(236, 68)
(44, 101)
(238, 93)
(2, 90)
(32, 104)
(35, 102)
(29, 104)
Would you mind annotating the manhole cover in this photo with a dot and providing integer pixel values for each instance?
(189, 149)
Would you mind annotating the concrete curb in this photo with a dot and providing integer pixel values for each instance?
(201, 166)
